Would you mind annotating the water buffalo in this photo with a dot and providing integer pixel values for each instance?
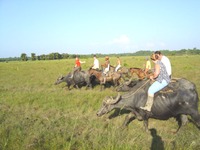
(80, 78)
(127, 86)
(176, 100)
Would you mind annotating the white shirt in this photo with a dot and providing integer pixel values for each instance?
(96, 64)
(167, 64)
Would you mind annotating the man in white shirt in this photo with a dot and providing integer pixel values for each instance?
(96, 63)
(165, 61)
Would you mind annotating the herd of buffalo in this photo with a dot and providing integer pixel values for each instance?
(179, 99)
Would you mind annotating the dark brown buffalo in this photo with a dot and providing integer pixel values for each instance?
(81, 78)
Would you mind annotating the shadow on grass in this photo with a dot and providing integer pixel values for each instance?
(157, 142)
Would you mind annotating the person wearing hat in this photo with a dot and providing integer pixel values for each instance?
(161, 79)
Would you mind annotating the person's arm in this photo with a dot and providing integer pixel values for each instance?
(156, 72)
(82, 62)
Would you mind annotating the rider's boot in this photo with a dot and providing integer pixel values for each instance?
(71, 76)
(148, 104)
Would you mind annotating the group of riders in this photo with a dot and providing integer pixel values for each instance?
(106, 64)
(96, 66)
(161, 73)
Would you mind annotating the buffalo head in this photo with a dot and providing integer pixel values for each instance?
(59, 80)
(108, 104)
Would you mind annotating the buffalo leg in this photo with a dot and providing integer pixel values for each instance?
(182, 120)
(196, 117)
(87, 86)
(130, 117)
(101, 87)
(146, 125)
(77, 86)
(68, 86)
(138, 116)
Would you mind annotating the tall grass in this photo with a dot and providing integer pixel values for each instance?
(36, 114)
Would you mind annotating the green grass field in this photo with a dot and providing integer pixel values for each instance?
(36, 114)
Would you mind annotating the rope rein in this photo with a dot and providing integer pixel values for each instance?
(137, 89)
(134, 93)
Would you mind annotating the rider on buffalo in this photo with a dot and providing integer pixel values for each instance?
(77, 66)
(106, 69)
(161, 78)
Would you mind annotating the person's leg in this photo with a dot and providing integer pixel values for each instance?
(104, 78)
(72, 74)
(106, 70)
(116, 68)
(148, 104)
(73, 71)
(155, 87)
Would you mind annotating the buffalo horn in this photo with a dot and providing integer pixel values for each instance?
(129, 82)
(113, 101)
(110, 100)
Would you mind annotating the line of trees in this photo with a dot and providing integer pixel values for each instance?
(56, 56)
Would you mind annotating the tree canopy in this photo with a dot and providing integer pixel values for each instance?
(56, 55)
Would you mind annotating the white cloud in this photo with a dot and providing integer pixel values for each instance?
(123, 39)
(162, 44)
(118, 44)
(150, 45)
(155, 45)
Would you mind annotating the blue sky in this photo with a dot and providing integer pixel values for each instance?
(97, 26)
